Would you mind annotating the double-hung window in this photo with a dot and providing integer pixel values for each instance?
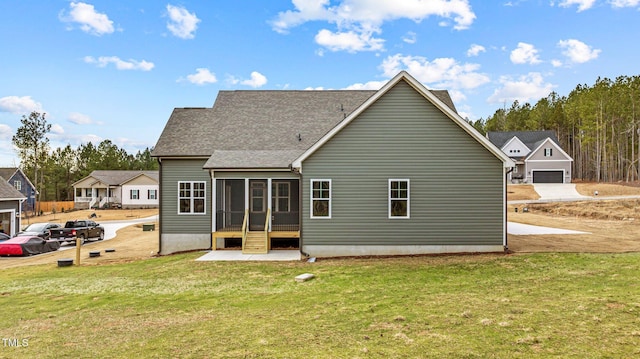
(191, 197)
(281, 196)
(152, 194)
(320, 198)
(399, 198)
(548, 152)
(18, 185)
(135, 194)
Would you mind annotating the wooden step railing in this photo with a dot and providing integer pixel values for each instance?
(256, 242)
(244, 228)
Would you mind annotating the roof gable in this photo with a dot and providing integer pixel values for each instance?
(260, 129)
(515, 148)
(429, 96)
(544, 144)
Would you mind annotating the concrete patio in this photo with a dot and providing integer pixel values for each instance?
(236, 255)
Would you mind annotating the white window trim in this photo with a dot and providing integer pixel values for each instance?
(137, 194)
(18, 185)
(152, 194)
(408, 198)
(276, 195)
(192, 213)
(330, 199)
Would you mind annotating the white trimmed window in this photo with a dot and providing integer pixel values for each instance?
(281, 196)
(399, 198)
(18, 185)
(548, 152)
(320, 198)
(152, 194)
(134, 194)
(191, 197)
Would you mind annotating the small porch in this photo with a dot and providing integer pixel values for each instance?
(256, 215)
(98, 196)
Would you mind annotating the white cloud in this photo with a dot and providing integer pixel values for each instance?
(202, 77)
(475, 50)
(371, 85)
(90, 21)
(439, 73)
(625, 3)
(103, 61)
(523, 89)
(257, 80)
(182, 23)
(81, 119)
(410, 37)
(582, 4)
(359, 19)
(5, 132)
(19, 105)
(525, 54)
(348, 41)
(577, 51)
(556, 63)
(57, 129)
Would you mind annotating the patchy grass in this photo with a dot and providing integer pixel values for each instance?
(500, 306)
(609, 189)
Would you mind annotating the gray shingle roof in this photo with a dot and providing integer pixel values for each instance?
(116, 178)
(531, 139)
(259, 129)
(7, 172)
(7, 191)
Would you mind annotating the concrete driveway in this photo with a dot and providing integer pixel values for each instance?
(558, 192)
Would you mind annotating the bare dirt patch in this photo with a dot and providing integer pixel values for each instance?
(130, 244)
(101, 215)
(614, 226)
(519, 192)
(609, 189)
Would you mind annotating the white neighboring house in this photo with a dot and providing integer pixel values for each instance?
(537, 154)
(125, 189)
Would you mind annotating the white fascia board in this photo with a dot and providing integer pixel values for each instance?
(548, 140)
(507, 162)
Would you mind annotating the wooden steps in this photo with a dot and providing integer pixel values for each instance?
(256, 243)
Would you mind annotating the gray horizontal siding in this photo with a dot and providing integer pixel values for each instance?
(174, 171)
(456, 185)
(10, 205)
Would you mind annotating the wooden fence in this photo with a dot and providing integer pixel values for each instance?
(58, 206)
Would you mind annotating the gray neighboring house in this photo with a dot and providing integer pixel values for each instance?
(10, 208)
(537, 154)
(333, 173)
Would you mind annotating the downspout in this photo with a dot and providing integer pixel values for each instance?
(506, 205)
(160, 206)
(300, 202)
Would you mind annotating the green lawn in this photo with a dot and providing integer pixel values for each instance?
(497, 306)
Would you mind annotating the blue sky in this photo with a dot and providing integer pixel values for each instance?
(116, 69)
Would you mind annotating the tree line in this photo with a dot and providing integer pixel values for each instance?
(598, 126)
(54, 171)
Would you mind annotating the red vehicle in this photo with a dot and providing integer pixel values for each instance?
(27, 245)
